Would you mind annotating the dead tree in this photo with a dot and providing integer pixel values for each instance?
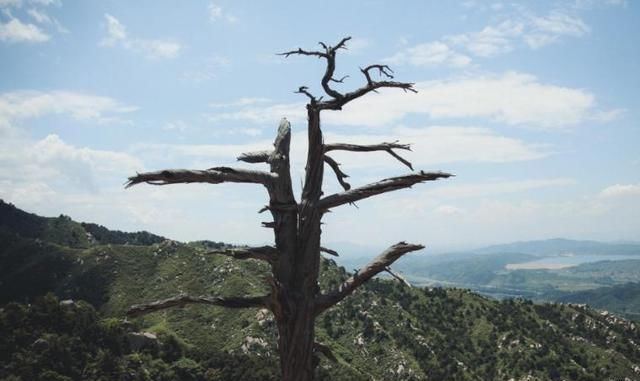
(295, 298)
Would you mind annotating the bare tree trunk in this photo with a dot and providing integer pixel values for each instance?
(296, 330)
(295, 298)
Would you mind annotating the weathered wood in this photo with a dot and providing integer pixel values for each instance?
(183, 300)
(255, 157)
(387, 147)
(339, 174)
(382, 186)
(378, 264)
(214, 175)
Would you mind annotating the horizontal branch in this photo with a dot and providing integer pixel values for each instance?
(383, 186)
(387, 147)
(329, 251)
(215, 175)
(339, 174)
(183, 300)
(255, 157)
(338, 103)
(378, 264)
(263, 253)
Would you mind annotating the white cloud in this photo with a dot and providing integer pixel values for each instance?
(496, 188)
(116, 31)
(439, 221)
(620, 190)
(16, 31)
(295, 112)
(524, 27)
(491, 40)
(29, 104)
(512, 98)
(438, 145)
(42, 18)
(433, 53)
(216, 13)
(39, 16)
(551, 28)
(152, 48)
(430, 146)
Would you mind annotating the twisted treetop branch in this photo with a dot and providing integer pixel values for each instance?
(338, 99)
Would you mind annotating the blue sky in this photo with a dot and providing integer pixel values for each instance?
(533, 105)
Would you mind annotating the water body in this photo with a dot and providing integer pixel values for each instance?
(565, 261)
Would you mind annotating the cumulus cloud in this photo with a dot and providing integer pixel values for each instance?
(19, 31)
(16, 31)
(430, 145)
(153, 48)
(28, 163)
(523, 27)
(545, 30)
(429, 54)
(491, 40)
(30, 104)
(512, 98)
(495, 188)
(620, 190)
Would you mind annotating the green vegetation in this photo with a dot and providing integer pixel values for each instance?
(385, 331)
(624, 298)
(487, 274)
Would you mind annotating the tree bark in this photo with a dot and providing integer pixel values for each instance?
(296, 329)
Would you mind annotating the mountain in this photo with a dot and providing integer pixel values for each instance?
(561, 246)
(385, 331)
(624, 298)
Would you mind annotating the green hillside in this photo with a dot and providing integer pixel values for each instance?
(385, 331)
(622, 297)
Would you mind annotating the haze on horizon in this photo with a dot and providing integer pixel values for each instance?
(532, 105)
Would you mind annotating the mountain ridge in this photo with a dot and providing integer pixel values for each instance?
(385, 331)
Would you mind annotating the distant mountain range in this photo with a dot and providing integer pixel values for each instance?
(385, 331)
(561, 246)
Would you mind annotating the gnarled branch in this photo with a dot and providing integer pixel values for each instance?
(387, 147)
(398, 277)
(264, 253)
(338, 99)
(214, 175)
(378, 264)
(330, 55)
(383, 186)
(338, 103)
(183, 300)
(305, 90)
(339, 174)
(329, 251)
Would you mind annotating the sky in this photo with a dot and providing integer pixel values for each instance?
(533, 105)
